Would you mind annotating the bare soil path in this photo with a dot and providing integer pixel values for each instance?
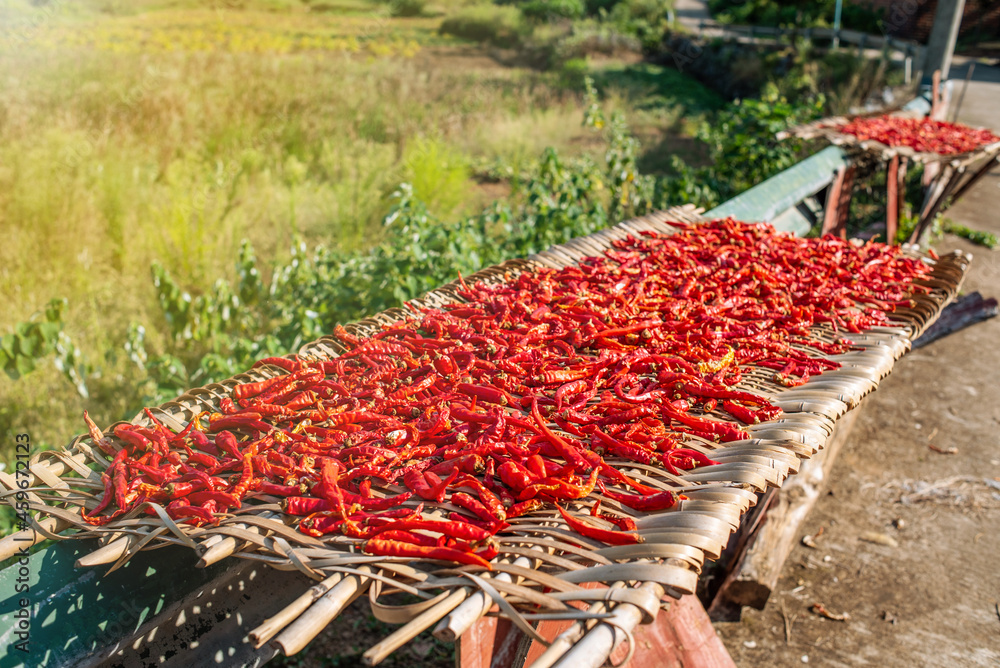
(910, 548)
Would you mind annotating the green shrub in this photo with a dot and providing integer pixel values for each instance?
(646, 19)
(406, 7)
(548, 10)
(500, 26)
(573, 73)
(796, 13)
(594, 7)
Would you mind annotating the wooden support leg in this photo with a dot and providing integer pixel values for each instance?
(892, 200)
(681, 637)
(937, 110)
(490, 643)
(979, 173)
(939, 191)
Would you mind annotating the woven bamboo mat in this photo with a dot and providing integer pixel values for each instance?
(828, 129)
(544, 570)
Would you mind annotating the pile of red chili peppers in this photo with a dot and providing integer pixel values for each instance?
(923, 135)
(527, 394)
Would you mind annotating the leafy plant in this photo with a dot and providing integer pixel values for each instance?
(742, 142)
(36, 339)
(978, 237)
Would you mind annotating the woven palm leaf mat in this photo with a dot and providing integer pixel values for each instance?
(544, 570)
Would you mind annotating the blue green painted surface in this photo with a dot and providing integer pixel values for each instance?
(76, 611)
(768, 200)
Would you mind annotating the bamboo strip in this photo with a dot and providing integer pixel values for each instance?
(321, 613)
(459, 620)
(272, 625)
(108, 554)
(593, 649)
(15, 542)
(565, 640)
(403, 635)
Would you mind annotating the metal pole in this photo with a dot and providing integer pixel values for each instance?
(836, 24)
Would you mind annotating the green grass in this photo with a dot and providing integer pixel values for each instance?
(145, 131)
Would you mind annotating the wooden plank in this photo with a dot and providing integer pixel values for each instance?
(754, 577)
(830, 213)
(681, 637)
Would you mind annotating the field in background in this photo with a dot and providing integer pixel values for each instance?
(172, 130)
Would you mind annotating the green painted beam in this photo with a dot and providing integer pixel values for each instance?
(75, 612)
(768, 200)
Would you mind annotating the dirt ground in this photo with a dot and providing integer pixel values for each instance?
(926, 591)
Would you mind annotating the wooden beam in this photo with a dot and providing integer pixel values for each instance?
(755, 576)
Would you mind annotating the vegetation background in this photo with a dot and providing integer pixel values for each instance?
(188, 186)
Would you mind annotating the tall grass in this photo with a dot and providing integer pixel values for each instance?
(114, 158)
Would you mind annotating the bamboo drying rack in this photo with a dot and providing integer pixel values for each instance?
(544, 570)
(951, 175)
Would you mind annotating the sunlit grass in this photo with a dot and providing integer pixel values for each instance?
(131, 136)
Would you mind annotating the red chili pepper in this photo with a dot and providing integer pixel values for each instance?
(524, 507)
(392, 548)
(655, 502)
(603, 535)
(196, 513)
(222, 500)
(460, 530)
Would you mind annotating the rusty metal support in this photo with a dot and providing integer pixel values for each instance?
(838, 202)
(682, 635)
(892, 200)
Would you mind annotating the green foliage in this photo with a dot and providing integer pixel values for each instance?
(978, 237)
(573, 72)
(796, 13)
(36, 339)
(742, 143)
(499, 26)
(591, 36)
(549, 10)
(645, 19)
